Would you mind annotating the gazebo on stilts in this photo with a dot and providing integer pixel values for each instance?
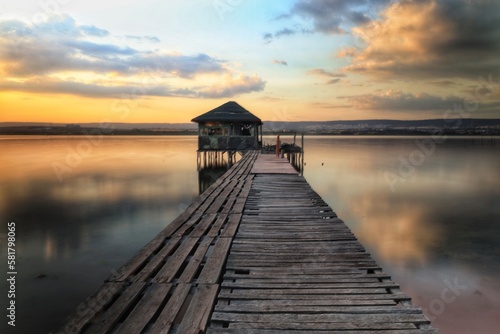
(227, 129)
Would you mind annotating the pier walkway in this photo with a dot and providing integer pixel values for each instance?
(258, 252)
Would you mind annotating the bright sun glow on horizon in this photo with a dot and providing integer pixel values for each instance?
(294, 60)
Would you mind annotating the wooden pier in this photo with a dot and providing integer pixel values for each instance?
(258, 252)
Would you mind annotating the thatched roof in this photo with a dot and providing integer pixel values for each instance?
(228, 112)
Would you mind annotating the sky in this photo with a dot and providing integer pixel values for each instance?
(70, 61)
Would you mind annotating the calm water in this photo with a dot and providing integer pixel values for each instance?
(429, 214)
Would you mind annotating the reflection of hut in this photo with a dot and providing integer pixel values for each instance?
(229, 128)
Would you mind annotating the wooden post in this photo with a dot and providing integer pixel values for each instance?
(302, 153)
(278, 145)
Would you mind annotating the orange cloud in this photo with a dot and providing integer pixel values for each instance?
(231, 85)
(429, 39)
(396, 100)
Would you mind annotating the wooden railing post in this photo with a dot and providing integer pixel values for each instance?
(278, 144)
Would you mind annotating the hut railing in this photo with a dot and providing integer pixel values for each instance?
(228, 143)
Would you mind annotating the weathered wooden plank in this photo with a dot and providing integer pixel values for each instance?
(319, 318)
(104, 322)
(324, 327)
(296, 265)
(228, 206)
(92, 306)
(198, 312)
(271, 164)
(303, 285)
(232, 226)
(170, 269)
(203, 225)
(301, 255)
(156, 261)
(212, 270)
(298, 270)
(298, 226)
(166, 318)
(319, 331)
(235, 308)
(145, 309)
(276, 240)
(217, 204)
(297, 244)
(314, 302)
(239, 205)
(217, 226)
(195, 262)
(301, 278)
(187, 227)
(301, 262)
(309, 291)
(263, 295)
(284, 246)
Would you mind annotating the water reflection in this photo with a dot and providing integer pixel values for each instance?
(71, 234)
(208, 175)
(441, 223)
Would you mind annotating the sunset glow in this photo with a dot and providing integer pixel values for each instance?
(293, 60)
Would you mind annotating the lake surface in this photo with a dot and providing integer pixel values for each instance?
(426, 209)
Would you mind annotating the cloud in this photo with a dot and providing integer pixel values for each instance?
(98, 50)
(285, 32)
(333, 81)
(324, 105)
(335, 77)
(334, 16)
(57, 56)
(95, 90)
(271, 99)
(396, 100)
(228, 86)
(279, 62)
(325, 73)
(178, 65)
(76, 88)
(444, 83)
(232, 86)
(429, 39)
(152, 39)
(94, 31)
(29, 50)
(267, 36)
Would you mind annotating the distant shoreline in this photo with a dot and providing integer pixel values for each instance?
(63, 131)
(451, 127)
